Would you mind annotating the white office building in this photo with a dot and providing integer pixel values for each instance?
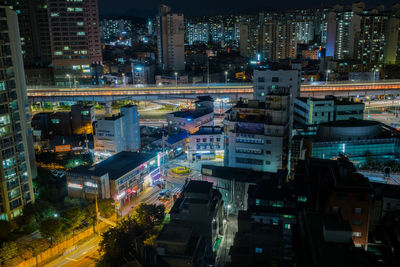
(268, 79)
(206, 144)
(117, 133)
(258, 133)
(312, 111)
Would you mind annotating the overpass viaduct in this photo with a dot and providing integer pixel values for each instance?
(234, 91)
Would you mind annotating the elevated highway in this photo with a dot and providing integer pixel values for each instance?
(234, 91)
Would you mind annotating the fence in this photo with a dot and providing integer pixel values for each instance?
(60, 248)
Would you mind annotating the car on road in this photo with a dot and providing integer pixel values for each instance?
(164, 195)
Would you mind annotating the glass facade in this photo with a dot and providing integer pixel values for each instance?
(357, 150)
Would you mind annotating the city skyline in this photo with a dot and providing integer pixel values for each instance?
(150, 8)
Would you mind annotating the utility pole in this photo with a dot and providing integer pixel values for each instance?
(97, 216)
(208, 72)
(133, 72)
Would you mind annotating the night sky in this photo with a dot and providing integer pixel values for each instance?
(145, 8)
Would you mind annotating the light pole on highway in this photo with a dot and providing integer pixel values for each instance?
(69, 80)
(176, 79)
(327, 76)
(226, 77)
(375, 71)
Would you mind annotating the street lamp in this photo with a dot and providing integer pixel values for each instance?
(228, 209)
(226, 77)
(69, 80)
(375, 71)
(176, 79)
(327, 75)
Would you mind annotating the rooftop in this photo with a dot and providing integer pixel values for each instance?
(190, 114)
(350, 123)
(172, 139)
(209, 130)
(337, 101)
(113, 117)
(204, 98)
(238, 174)
(198, 187)
(116, 165)
(175, 233)
(328, 253)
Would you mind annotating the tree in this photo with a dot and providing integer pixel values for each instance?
(5, 231)
(119, 244)
(8, 251)
(149, 215)
(74, 217)
(39, 210)
(51, 228)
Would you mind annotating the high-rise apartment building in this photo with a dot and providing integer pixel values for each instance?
(343, 31)
(16, 173)
(34, 30)
(75, 40)
(371, 42)
(170, 40)
(304, 31)
(113, 30)
(392, 37)
(198, 33)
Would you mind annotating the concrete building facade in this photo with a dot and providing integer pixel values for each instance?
(170, 40)
(17, 145)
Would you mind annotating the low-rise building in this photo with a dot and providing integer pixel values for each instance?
(60, 124)
(234, 183)
(200, 207)
(192, 120)
(117, 133)
(179, 247)
(206, 144)
(312, 111)
(361, 141)
(120, 177)
(265, 229)
(82, 119)
(258, 133)
(334, 187)
(325, 240)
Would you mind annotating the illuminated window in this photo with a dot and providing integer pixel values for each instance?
(80, 33)
(58, 53)
(4, 119)
(7, 163)
(78, 9)
(79, 23)
(66, 47)
(54, 14)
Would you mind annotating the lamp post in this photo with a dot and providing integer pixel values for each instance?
(176, 79)
(375, 71)
(69, 80)
(226, 77)
(75, 82)
(327, 76)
